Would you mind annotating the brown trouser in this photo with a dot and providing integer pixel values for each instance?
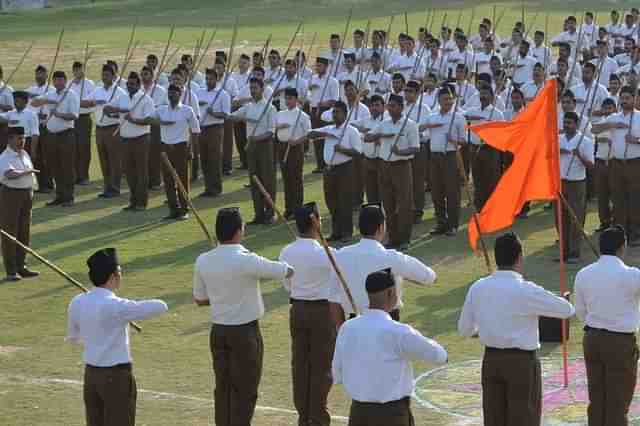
(318, 144)
(15, 218)
(511, 388)
(61, 148)
(486, 173)
(179, 158)
(358, 180)
(155, 162)
(625, 193)
(395, 413)
(4, 136)
(575, 194)
(110, 396)
(110, 155)
(44, 178)
(260, 157)
(419, 169)
(237, 352)
(135, 159)
(240, 130)
(82, 128)
(396, 185)
(338, 195)
(371, 182)
(227, 146)
(312, 343)
(211, 140)
(445, 188)
(465, 151)
(603, 192)
(291, 175)
(612, 367)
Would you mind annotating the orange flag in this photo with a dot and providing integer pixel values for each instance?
(532, 137)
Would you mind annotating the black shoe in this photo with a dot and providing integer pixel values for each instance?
(182, 216)
(69, 203)
(13, 278)
(247, 185)
(27, 273)
(438, 230)
(43, 191)
(55, 202)
(227, 172)
(602, 227)
(207, 194)
(108, 194)
(83, 182)
(332, 238)
(451, 232)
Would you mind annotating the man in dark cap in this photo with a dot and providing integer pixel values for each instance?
(312, 331)
(373, 358)
(16, 197)
(24, 117)
(227, 278)
(99, 320)
(607, 298)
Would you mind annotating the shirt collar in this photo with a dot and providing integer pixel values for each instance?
(608, 259)
(102, 291)
(376, 313)
(508, 274)
(370, 242)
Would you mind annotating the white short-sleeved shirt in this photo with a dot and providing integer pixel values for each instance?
(68, 103)
(107, 95)
(407, 139)
(184, 119)
(141, 107)
(298, 121)
(85, 89)
(317, 87)
(252, 112)
(219, 100)
(348, 137)
(578, 171)
(16, 161)
(439, 140)
(622, 150)
(25, 118)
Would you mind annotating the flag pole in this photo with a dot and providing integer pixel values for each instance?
(563, 286)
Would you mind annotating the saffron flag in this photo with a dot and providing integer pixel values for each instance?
(532, 138)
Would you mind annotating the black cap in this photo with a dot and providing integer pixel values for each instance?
(379, 281)
(350, 56)
(307, 210)
(396, 98)
(16, 131)
(174, 88)
(321, 60)
(291, 91)
(413, 84)
(21, 94)
(102, 264)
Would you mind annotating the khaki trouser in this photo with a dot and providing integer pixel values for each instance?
(291, 175)
(445, 188)
(237, 352)
(155, 162)
(625, 193)
(312, 343)
(178, 155)
(603, 191)
(44, 178)
(61, 148)
(358, 180)
(260, 156)
(4, 136)
(82, 127)
(395, 413)
(240, 130)
(110, 396)
(15, 218)
(135, 160)
(575, 194)
(371, 181)
(419, 168)
(486, 173)
(396, 184)
(511, 388)
(612, 367)
(227, 146)
(338, 195)
(211, 140)
(110, 155)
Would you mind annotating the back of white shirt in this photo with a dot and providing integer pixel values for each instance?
(312, 280)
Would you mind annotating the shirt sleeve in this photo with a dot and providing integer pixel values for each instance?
(580, 303)
(225, 103)
(415, 346)
(73, 104)
(130, 310)
(194, 123)
(327, 116)
(305, 123)
(336, 364)
(409, 267)
(541, 302)
(73, 328)
(286, 283)
(467, 326)
(148, 109)
(240, 112)
(263, 268)
(334, 90)
(34, 125)
(412, 136)
(354, 139)
(199, 286)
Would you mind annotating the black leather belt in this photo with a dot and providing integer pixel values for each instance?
(124, 366)
(309, 302)
(508, 350)
(603, 330)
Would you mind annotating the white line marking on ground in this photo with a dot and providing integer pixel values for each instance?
(70, 382)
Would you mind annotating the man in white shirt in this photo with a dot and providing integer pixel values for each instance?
(324, 92)
(313, 334)
(215, 104)
(228, 83)
(358, 260)
(136, 110)
(16, 196)
(158, 94)
(531, 89)
(6, 104)
(601, 173)
(609, 67)
(291, 79)
(194, 76)
(180, 77)
(576, 156)
(485, 162)
(22, 116)
(178, 126)
(523, 65)
(614, 28)
(570, 36)
(341, 143)
(85, 89)
(99, 321)
(64, 106)
(511, 376)
(409, 64)
(447, 128)
(589, 94)
(607, 295)
(44, 178)
(292, 125)
(379, 79)
(373, 359)
(540, 51)
(355, 74)
(260, 117)
(227, 278)
(371, 164)
(109, 145)
(399, 142)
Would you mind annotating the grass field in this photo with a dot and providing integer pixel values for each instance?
(39, 373)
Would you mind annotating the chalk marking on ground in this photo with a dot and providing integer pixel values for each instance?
(169, 395)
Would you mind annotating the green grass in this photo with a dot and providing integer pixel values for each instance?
(171, 355)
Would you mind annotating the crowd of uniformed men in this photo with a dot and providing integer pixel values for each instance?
(385, 120)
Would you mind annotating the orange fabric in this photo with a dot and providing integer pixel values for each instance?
(532, 137)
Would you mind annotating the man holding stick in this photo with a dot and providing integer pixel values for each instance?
(227, 278)
(44, 178)
(99, 321)
(260, 117)
(158, 94)
(6, 104)
(178, 122)
(325, 91)
(511, 376)
(16, 197)
(85, 89)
